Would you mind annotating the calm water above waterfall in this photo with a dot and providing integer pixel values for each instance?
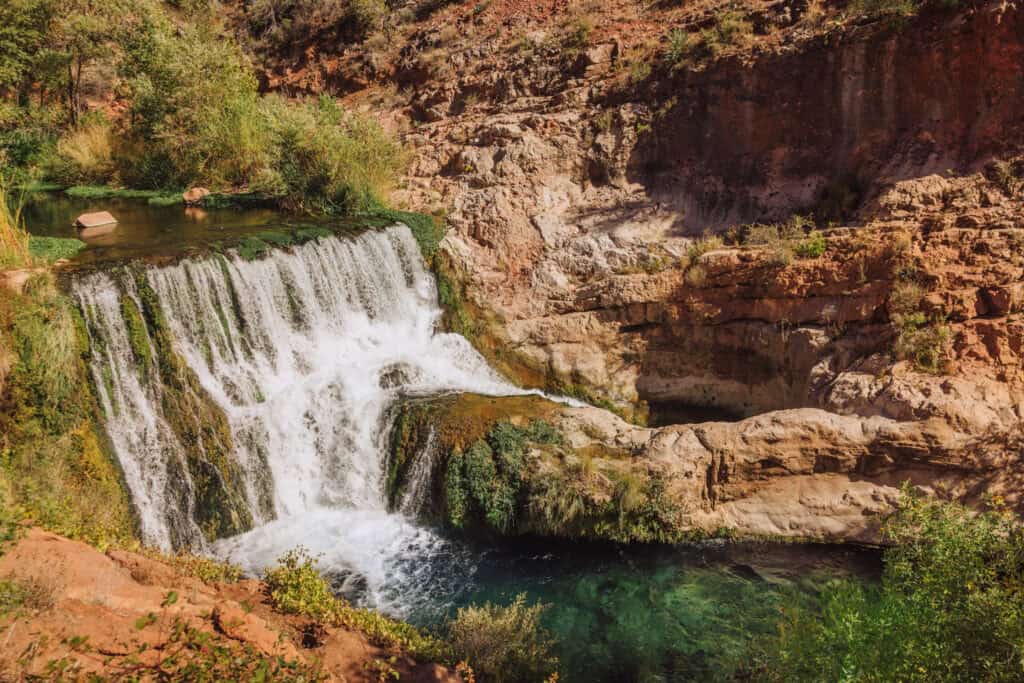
(303, 352)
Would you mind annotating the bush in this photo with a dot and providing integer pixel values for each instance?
(483, 483)
(296, 587)
(919, 339)
(812, 246)
(949, 607)
(679, 47)
(504, 643)
(83, 156)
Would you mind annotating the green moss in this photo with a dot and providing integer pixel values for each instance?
(201, 427)
(50, 249)
(103, 192)
(138, 337)
(55, 466)
(310, 233)
(252, 248)
(428, 230)
(277, 239)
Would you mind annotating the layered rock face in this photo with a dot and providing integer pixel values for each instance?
(579, 179)
(803, 473)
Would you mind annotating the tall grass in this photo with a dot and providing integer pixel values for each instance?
(84, 156)
(14, 238)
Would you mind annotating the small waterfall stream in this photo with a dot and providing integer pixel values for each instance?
(303, 351)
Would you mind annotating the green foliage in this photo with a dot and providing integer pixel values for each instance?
(50, 249)
(812, 246)
(919, 338)
(504, 644)
(296, 587)
(678, 49)
(730, 29)
(483, 483)
(53, 466)
(700, 247)
(950, 607)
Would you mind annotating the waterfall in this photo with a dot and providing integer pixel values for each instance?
(301, 352)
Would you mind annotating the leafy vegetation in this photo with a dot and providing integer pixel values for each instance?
(50, 249)
(949, 608)
(180, 129)
(920, 338)
(296, 587)
(504, 644)
(54, 466)
(483, 483)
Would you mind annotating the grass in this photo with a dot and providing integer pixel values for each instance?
(14, 239)
(104, 192)
(50, 249)
(55, 467)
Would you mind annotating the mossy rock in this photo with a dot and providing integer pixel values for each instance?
(502, 466)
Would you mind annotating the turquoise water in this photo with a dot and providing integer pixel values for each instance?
(647, 615)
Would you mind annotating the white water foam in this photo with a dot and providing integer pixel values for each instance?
(304, 350)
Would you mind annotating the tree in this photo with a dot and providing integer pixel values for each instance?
(950, 606)
(23, 28)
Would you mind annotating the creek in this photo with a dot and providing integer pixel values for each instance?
(293, 361)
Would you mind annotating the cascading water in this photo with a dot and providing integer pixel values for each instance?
(303, 351)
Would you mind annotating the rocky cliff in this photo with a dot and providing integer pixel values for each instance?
(802, 214)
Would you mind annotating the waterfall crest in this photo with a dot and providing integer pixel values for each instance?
(301, 353)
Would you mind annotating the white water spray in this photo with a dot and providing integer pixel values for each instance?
(304, 351)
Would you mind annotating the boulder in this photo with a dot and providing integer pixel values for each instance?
(195, 196)
(94, 220)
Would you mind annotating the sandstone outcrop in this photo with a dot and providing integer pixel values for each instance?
(579, 179)
(792, 474)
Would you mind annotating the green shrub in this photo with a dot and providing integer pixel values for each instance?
(919, 339)
(949, 608)
(812, 246)
(296, 587)
(679, 47)
(504, 644)
(483, 483)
